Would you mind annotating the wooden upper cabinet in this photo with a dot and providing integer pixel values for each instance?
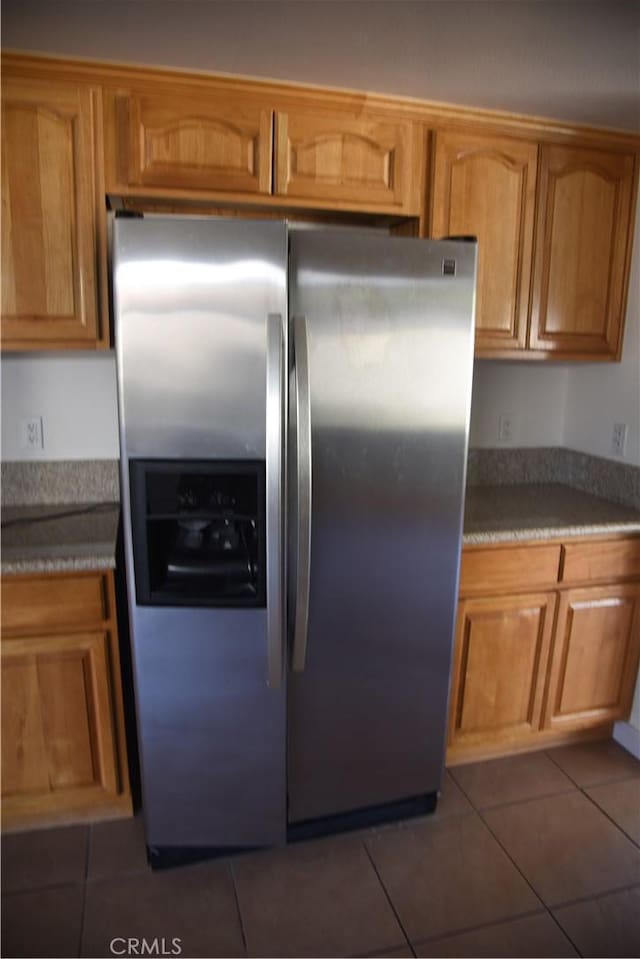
(50, 215)
(199, 141)
(484, 186)
(583, 250)
(348, 160)
(552, 207)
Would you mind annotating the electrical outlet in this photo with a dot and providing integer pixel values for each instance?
(32, 434)
(619, 439)
(505, 428)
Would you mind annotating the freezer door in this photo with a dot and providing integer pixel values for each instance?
(382, 354)
(200, 313)
(210, 729)
(192, 301)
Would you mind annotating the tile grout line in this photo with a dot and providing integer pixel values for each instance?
(558, 766)
(515, 865)
(87, 856)
(465, 930)
(596, 785)
(237, 900)
(543, 906)
(522, 801)
(563, 931)
(11, 893)
(582, 790)
(381, 953)
(533, 890)
(387, 896)
(601, 782)
(607, 816)
(600, 895)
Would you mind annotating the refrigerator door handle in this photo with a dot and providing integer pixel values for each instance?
(275, 407)
(303, 472)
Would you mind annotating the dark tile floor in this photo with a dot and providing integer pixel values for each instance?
(535, 855)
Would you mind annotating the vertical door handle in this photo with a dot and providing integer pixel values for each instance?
(303, 473)
(275, 407)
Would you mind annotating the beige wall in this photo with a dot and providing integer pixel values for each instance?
(573, 59)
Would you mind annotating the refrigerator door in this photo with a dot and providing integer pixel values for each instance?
(200, 309)
(380, 397)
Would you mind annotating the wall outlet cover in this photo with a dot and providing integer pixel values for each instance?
(505, 428)
(619, 439)
(32, 433)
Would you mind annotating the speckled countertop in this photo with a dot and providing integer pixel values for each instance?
(67, 537)
(495, 514)
(57, 538)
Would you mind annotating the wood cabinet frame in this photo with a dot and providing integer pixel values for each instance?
(465, 203)
(64, 751)
(54, 289)
(594, 663)
(357, 154)
(348, 159)
(178, 139)
(583, 675)
(579, 256)
(516, 633)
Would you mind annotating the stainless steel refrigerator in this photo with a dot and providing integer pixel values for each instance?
(294, 410)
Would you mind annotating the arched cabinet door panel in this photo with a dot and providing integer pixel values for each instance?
(49, 215)
(195, 142)
(348, 160)
(484, 186)
(582, 251)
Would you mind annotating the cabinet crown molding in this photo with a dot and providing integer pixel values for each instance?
(109, 73)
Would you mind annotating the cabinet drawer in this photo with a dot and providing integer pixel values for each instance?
(497, 570)
(52, 601)
(615, 559)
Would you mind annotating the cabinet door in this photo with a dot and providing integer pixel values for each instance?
(58, 738)
(347, 160)
(583, 250)
(484, 186)
(190, 141)
(49, 246)
(502, 649)
(595, 656)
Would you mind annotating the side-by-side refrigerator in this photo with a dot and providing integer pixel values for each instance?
(294, 410)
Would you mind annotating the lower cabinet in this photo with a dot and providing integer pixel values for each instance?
(502, 651)
(594, 665)
(536, 668)
(64, 753)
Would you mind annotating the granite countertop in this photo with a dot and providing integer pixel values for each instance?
(495, 514)
(59, 538)
(68, 537)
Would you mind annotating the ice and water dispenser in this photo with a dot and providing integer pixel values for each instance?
(198, 531)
